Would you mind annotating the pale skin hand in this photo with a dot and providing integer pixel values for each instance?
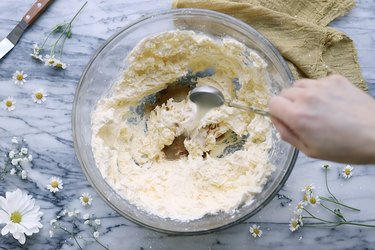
(329, 118)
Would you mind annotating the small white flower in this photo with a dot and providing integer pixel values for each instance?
(20, 214)
(24, 151)
(19, 77)
(299, 208)
(11, 154)
(314, 200)
(39, 96)
(15, 162)
(55, 184)
(23, 174)
(86, 222)
(347, 172)
(12, 171)
(53, 221)
(14, 140)
(59, 64)
(308, 188)
(96, 234)
(255, 231)
(36, 52)
(9, 104)
(85, 216)
(50, 233)
(85, 199)
(49, 60)
(97, 222)
(295, 223)
(30, 158)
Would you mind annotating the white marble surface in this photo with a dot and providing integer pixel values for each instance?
(47, 129)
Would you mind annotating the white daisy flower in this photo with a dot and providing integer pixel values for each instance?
(85, 199)
(59, 64)
(11, 154)
(96, 234)
(30, 158)
(24, 151)
(295, 223)
(23, 174)
(20, 214)
(86, 216)
(19, 77)
(308, 188)
(314, 200)
(15, 162)
(50, 233)
(53, 221)
(49, 60)
(97, 222)
(39, 96)
(255, 231)
(8, 104)
(299, 208)
(12, 171)
(55, 184)
(14, 140)
(347, 172)
(36, 52)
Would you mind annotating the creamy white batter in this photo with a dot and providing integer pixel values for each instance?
(129, 149)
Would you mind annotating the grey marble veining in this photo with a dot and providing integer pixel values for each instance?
(47, 129)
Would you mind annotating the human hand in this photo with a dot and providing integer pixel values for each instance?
(329, 118)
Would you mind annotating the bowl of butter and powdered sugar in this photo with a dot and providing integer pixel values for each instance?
(132, 122)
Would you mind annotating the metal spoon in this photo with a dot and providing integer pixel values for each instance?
(210, 97)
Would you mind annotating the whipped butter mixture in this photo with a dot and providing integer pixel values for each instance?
(143, 141)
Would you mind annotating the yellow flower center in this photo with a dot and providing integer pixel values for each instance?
(38, 95)
(85, 199)
(54, 184)
(312, 200)
(256, 231)
(51, 61)
(9, 103)
(19, 77)
(16, 217)
(347, 171)
(294, 224)
(305, 198)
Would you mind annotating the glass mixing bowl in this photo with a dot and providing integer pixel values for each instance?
(106, 68)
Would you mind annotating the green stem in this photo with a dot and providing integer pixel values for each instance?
(329, 191)
(354, 224)
(316, 218)
(338, 203)
(101, 244)
(332, 211)
(70, 233)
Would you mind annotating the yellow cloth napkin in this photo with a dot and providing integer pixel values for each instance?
(298, 29)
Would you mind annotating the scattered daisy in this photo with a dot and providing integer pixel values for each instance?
(49, 60)
(14, 140)
(255, 231)
(12, 171)
(85, 199)
(30, 158)
(15, 162)
(295, 224)
(96, 234)
(59, 64)
(55, 184)
(347, 172)
(50, 233)
(11, 154)
(85, 216)
(8, 104)
(19, 77)
(308, 188)
(19, 213)
(98, 222)
(23, 174)
(24, 151)
(314, 200)
(39, 96)
(299, 208)
(36, 52)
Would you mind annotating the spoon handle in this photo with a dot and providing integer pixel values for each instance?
(249, 108)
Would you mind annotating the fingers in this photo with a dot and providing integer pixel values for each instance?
(292, 93)
(282, 108)
(304, 83)
(287, 134)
